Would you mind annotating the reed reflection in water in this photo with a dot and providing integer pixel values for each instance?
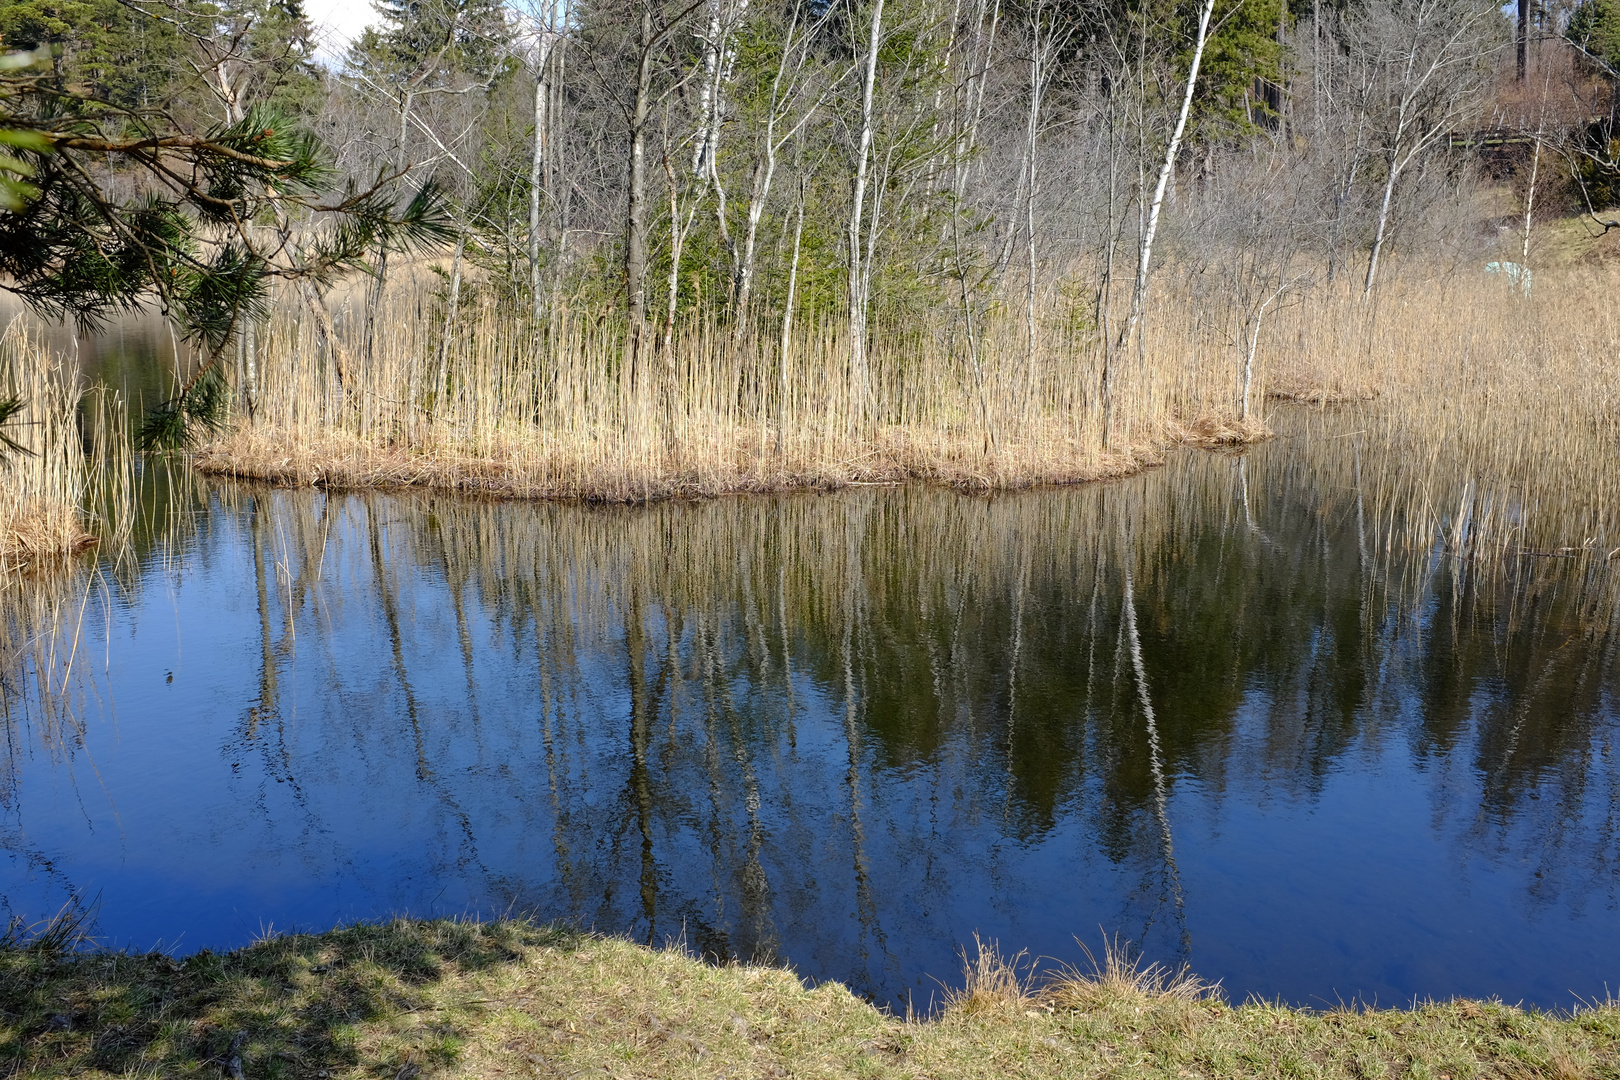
(1205, 710)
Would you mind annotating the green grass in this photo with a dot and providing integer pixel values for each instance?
(416, 999)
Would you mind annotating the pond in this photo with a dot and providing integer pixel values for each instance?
(1207, 711)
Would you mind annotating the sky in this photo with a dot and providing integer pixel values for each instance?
(337, 22)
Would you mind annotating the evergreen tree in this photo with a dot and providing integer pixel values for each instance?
(100, 45)
(430, 42)
(222, 210)
(1594, 28)
(1240, 80)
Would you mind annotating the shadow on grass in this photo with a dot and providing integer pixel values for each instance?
(299, 1005)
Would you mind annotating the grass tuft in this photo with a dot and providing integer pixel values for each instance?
(65, 932)
(991, 982)
(1120, 976)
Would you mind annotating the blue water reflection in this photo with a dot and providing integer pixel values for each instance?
(843, 732)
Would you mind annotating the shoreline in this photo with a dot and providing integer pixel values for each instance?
(413, 998)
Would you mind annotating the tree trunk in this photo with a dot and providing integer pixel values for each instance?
(765, 167)
(1151, 227)
(250, 366)
(1105, 289)
(1037, 84)
(1246, 384)
(764, 171)
(635, 240)
(1381, 230)
(708, 92)
(705, 155)
(975, 90)
(1522, 40)
(537, 177)
(1316, 68)
(1530, 202)
(441, 374)
(859, 375)
(787, 322)
(635, 225)
(328, 334)
(677, 242)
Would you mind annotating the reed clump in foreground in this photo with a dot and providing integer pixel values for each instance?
(510, 998)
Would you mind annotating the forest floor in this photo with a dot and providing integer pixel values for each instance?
(412, 999)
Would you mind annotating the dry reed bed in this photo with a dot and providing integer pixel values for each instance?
(67, 476)
(47, 481)
(1501, 409)
(505, 411)
(1496, 415)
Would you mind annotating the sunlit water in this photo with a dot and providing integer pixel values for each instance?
(1202, 711)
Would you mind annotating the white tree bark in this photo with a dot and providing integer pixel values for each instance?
(785, 89)
(537, 163)
(1037, 87)
(859, 373)
(1150, 224)
(1150, 230)
(787, 322)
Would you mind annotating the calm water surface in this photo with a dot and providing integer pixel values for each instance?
(1202, 710)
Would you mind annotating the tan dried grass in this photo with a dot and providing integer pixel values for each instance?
(1503, 409)
(991, 982)
(1120, 976)
(52, 493)
(505, 409)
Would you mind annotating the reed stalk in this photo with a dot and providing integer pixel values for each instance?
(495, 410)
(1502, 409)
(66, 482)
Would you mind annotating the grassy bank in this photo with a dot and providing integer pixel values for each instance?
(412, 999)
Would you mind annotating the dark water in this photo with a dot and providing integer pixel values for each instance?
(1202, 710)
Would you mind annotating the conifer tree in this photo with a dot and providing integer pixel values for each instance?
(1594, 28)
(222, 210)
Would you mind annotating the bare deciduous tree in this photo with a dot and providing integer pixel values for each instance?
(1427, 64)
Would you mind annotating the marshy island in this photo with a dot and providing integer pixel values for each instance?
(824, 538)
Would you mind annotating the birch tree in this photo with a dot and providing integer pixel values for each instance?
(798, 90)
(548, 40)
(859, 373)
(1431, 62)
(1144, 255)
(638, 115)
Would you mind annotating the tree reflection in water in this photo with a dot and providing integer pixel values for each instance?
(1217, 710)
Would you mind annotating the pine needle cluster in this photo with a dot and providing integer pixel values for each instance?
(218, 215)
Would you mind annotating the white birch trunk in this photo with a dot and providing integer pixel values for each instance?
(1530, 202)
(859, 375)
(1037, 84)
(1151, 228)
(537, 163)
(1381, 230)
(787, 324)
